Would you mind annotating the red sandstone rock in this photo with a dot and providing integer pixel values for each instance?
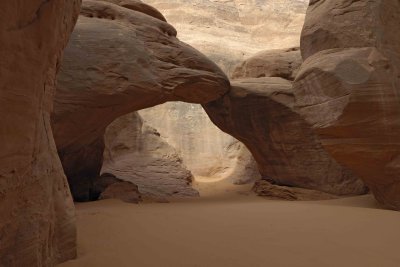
(348, 88)
(125, 191)
(37, 223)
(139, 6)
(283, 63)
(260, 113)
(120, 60)
(137, 153)
(265, 189)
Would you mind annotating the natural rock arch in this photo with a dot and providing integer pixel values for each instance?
(118, 61)
(155, 67)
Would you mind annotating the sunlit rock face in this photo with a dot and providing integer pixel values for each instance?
(228, 31)
(205, 149)
(136, 152)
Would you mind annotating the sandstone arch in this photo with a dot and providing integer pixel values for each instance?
(120, 60)
(37, 226)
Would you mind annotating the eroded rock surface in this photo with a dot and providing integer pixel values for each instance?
(229, 31)
(125, 191)
(137, 153)
(348, 88)
(108, 186)
(205, 149)
(284, 63)
(37, 223)
(268, 190)
(120, 60)
(260, 113)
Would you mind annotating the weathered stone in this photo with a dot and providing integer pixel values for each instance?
(120, 60)
(265, 189)
(125, 191)
(205, 149)
(259, 112)
(284, 63)
(348, 88)
(247, 27)
(137, 153)
(37, 223)
(229, 31)
(139, 6)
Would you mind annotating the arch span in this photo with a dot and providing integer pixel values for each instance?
(120, 60)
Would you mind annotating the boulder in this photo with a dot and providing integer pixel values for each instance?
(125, 191)
(37, 220)
(260, 113)
(136, 152)
(120, 60)
(348, 88)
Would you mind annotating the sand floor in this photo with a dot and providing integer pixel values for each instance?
(231, 227)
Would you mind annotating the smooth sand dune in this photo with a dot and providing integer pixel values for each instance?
(234, 228)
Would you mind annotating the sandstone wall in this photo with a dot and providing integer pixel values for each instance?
(205, 149)
(229, 31)
(348, 88)
(37, 224)
(137, 153)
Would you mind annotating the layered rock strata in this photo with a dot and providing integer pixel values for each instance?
(227, 32)
(120, 60)
(348, 88)
(260, 113)
(205, 149)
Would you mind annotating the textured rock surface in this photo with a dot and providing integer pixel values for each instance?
(229, 31)
(348, 88)
(125, 191)
(205, 149)
(98, 81)
(108, 186)
(284, 63)
(36, 210)
(265, 189)
(139, 6)
(259, 112)
(137, 153)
